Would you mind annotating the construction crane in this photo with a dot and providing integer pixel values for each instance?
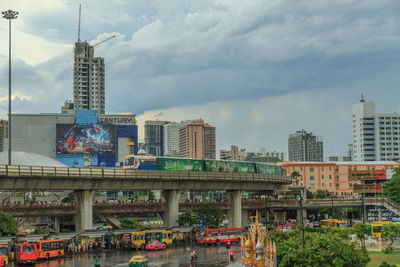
(105, 40)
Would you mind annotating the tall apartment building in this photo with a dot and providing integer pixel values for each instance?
(305, 146)
(89, 85)
(375, 136)
(233, 154)
(197, 140)
(154, 137)
(171, 139)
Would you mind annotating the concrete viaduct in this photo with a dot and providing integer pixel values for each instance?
(86, 181)
(107, 209)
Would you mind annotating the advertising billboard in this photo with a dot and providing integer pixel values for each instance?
(360, 175)
(229, 166)
(178, 164)
(85, 138)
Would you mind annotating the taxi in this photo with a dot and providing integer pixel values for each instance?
(138, 261)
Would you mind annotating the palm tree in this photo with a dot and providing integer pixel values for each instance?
(296, 177)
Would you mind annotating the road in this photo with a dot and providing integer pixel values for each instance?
(172, 257)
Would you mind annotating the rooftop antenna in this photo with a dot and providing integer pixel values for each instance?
(79, 25)
(362, 98)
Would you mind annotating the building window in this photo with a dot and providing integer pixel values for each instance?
(323, 185)
(330, 176)
(311, 169)
(337, 178)
(312, 178)
(312, 186)
(322, 176)
(330, 184)
(337, 185)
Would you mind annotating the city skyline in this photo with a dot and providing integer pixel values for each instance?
(256, 71)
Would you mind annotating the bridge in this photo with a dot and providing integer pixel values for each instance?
(108, 209)
(86, 181)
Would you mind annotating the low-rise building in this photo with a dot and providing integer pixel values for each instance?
(337, 177)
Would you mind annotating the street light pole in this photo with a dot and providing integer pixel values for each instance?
(301, 216)
(9, 14)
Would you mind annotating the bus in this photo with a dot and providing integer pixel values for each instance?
(25, 253)
(377, 226)
(221, 235)
(47, 249)
(334, 223)
(139, 239)
(4, 253)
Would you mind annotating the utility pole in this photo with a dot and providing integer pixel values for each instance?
(301, 216)
(363, 203)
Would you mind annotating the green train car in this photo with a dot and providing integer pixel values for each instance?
(179, 164)
(229, 166)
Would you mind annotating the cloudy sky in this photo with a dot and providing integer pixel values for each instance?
(257, 70)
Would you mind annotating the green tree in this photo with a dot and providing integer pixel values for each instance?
(210, 214)
(130, 224)
(322, 194)
(42, 231)
(391, 188)
(309, 194)
(8, 225)
(69, 198)
(188, 218)
(390, 231)
(296, 177)
(361, 230)
(320, 249)
(385, 264)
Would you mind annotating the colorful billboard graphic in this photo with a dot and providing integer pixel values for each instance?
(85, 138)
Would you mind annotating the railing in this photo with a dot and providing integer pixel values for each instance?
(119, 173)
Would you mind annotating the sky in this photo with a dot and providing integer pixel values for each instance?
(256, 70)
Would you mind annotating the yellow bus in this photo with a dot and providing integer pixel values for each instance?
(139, 239)
(377, 226)
(333, 223)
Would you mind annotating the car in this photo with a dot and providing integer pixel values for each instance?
(138, 261)
(316, 224)
(155, 245)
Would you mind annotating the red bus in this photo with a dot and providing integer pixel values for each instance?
(47, 249)
(25, 253)
(221, 235)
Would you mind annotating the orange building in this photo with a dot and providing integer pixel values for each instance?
(334, 176)
(197, 140)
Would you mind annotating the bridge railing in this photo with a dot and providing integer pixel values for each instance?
(120, 173)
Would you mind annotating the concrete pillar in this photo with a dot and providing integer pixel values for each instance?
(84, 217)
(267, 216)
(379, 214)
(235, 210)
(298, 217)
(56, 224)
(245, 218)
(171, 213)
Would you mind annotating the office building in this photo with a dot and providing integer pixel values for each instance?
(89, 84)
(375, 136)
(233, 154)
(305, 146)
(3, 134)
(197, 140)
(154, 137)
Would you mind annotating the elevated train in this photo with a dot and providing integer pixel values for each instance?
(138, 162)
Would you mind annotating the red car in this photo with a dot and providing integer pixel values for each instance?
(155, 245)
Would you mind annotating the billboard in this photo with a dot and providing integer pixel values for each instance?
(229, 166)
(85, 138)
(360, 175)
(177, 164)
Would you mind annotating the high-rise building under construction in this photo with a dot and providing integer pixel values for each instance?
(88, 76)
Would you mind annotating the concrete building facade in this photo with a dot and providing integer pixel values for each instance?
(304, 146)
(334, 176)
(43, 133)
(233, 154)
(154, 137)
(3, 134)
(197, 140)
(376, 137)
(89, 79)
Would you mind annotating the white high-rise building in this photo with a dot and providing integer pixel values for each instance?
(171, 139)
(375, 136)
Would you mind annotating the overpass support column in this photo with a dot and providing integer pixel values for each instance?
(171, 212)
(379, 214)
(235, 210)
(298, 219)
(245, 218)
(84, 218)
(56, 224)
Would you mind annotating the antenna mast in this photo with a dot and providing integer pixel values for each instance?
(79, 25)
